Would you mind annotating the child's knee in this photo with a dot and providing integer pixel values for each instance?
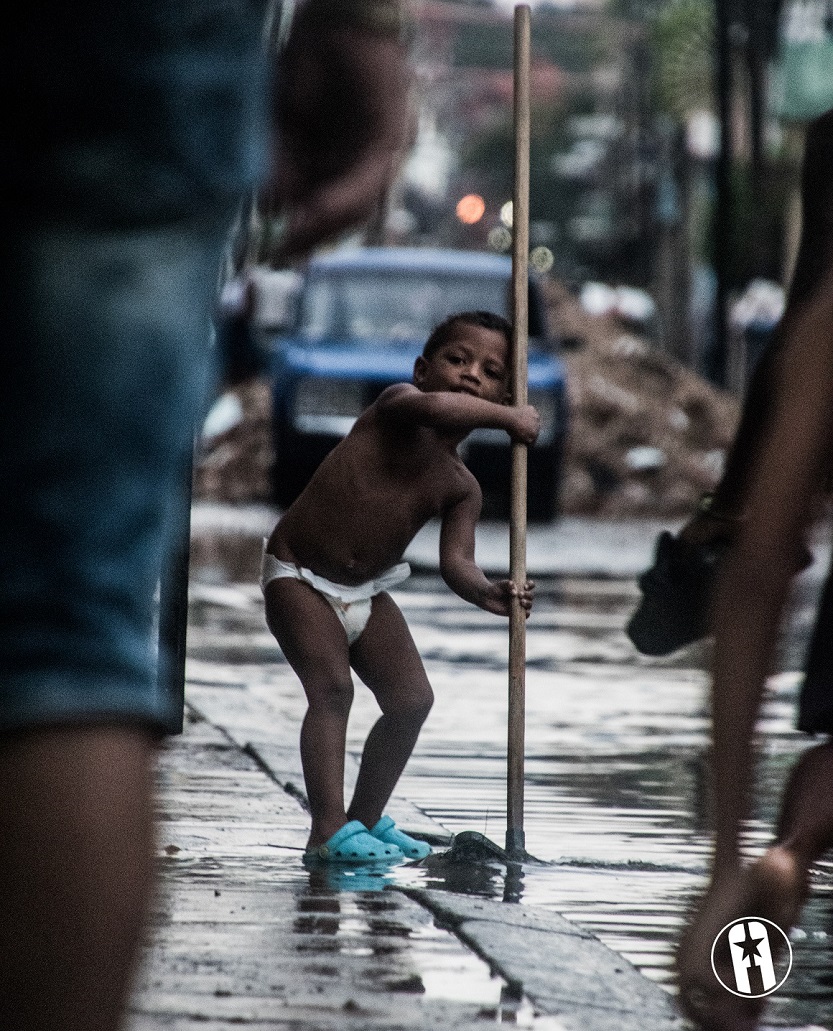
(332, 693)
(418, 707)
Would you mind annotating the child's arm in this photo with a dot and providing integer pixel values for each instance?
(444, 410)
(458, 567)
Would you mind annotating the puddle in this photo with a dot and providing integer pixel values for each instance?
(616, 791)
(330, 924)
(616, 786)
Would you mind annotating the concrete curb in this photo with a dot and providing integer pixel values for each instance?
(283, 764)
(564, 970)
(560, 967)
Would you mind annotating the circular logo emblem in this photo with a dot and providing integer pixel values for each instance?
(749, 958)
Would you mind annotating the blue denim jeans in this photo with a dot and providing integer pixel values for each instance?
(114, 227)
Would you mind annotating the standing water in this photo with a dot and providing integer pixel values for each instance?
(617, 805)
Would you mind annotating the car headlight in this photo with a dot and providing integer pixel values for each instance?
(327, 406)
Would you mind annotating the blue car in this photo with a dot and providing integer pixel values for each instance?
(362, 318)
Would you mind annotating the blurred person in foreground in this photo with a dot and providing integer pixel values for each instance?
(786, 474)
(133, 131)
(675, 608)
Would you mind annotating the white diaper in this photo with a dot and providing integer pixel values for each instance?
(351, 604)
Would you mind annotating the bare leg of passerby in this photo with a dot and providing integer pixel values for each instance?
(75, 865)
(750, 599)
(805, 827)
(774, 887)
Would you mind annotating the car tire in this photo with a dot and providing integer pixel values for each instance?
(545, 474)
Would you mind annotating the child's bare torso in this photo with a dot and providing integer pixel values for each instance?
(369, 498)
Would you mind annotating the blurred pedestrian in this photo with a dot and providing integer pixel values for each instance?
(132, 131)
(675, 608)
(786, 471)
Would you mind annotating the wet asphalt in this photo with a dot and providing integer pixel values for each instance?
(617, 814)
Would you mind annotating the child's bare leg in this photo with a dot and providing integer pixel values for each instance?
(315, 646)
(386, 659)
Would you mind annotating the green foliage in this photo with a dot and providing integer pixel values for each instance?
(483, 46)
(637, 10)
(683, 47)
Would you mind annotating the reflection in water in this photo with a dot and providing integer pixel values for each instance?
(425, 961)
(618, 798)
(513, 885)
(333, 877)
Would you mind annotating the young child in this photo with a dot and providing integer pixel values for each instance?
(337, 550)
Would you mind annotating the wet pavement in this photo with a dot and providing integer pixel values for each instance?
(617, 812)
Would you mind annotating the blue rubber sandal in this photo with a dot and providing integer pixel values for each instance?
(353, 843)
(387, 831)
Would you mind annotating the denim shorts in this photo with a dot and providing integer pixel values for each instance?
(114, 227)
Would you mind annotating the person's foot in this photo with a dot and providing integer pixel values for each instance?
(775, 888)
(387, 831)
(353, 844)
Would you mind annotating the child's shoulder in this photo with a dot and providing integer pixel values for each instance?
(387, 404)
(395, 391)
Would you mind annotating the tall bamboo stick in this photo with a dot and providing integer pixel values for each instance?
(515, 842)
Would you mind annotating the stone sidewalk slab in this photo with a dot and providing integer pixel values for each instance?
(564, 970)
(242, 936)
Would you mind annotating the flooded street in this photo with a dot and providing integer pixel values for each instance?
(617, 794)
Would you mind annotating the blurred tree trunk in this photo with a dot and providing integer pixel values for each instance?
(717, 369)
(672, 277)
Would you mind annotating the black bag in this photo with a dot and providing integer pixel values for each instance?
(815, 702)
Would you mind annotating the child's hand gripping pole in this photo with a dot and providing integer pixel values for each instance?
(517, 526)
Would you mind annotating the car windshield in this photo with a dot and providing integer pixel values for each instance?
(385, 307)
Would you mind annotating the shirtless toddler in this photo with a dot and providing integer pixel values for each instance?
(331, 559)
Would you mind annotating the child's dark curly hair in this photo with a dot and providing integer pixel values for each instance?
(485, 319)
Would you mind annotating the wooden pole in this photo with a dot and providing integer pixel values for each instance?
(515, 843)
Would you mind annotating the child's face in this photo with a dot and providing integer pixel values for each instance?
(474, 361)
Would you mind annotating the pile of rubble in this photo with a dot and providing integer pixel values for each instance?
(235, 454)
(647, 436)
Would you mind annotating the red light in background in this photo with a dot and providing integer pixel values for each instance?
(470, 208)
